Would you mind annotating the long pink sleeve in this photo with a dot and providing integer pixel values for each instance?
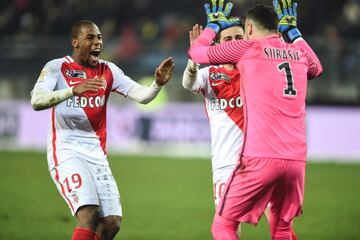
(230, 52)
(198, 51)
(315, 67)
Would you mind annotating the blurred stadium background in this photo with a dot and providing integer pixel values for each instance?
(173, 198)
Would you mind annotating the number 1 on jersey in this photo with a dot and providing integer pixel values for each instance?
(290, 89)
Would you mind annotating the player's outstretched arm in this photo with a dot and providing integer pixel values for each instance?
(315, 67)
(287, 15)
(43, 99)
(194, 33)
(201, 50)
(145, 94)
(190, 73)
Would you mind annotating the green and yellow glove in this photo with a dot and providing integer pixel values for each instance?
(217, 18)
(286, 13)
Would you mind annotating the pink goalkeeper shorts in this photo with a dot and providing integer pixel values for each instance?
(256, 182)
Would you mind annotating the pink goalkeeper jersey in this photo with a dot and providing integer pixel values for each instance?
(224, 107)
(274, 78)
(78, 125)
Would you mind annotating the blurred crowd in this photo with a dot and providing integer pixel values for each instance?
(55, 16)
(147, 28)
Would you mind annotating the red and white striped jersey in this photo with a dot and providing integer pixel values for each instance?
(224, 107)
(78, 125)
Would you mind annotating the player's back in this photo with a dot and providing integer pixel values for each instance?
(274, 77)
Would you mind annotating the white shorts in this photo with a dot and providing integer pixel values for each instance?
(220, 177)
(84, 183)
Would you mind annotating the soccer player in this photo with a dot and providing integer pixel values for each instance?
(220, 86)
(274, 78)
(77, 88)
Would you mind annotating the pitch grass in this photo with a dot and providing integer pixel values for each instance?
(167, 199)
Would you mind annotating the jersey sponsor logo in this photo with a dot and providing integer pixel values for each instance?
(222, 103)
(216, 77)
(83, 102)
(75, 73)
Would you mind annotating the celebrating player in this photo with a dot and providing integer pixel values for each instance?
(220, 86)
(274, 78)
(77, 88)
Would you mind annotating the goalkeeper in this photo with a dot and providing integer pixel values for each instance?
(221, 83)
(274, 77)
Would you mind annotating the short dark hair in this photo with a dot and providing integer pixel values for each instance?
(264, 16)
(76, 27)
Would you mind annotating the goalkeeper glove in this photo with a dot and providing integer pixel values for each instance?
(286, 13)
(217, 18)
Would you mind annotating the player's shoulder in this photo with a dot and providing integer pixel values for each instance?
(107, 63)
(55, 64)
(278, 42)
(204, 72)
(205, 69)
(57, 61)
(112, 66)
(216, 68)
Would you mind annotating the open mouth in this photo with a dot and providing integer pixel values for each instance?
(95, 52)
(94, 55)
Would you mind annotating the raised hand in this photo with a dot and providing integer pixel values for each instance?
(164, 72)
(218, 18)
(195, 33)
(286, 13)
(89, 85)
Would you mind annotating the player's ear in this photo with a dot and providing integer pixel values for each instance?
(75, 43)
(250, 28)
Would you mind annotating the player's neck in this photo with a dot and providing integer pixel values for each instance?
(79, 61)
(263, 34)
